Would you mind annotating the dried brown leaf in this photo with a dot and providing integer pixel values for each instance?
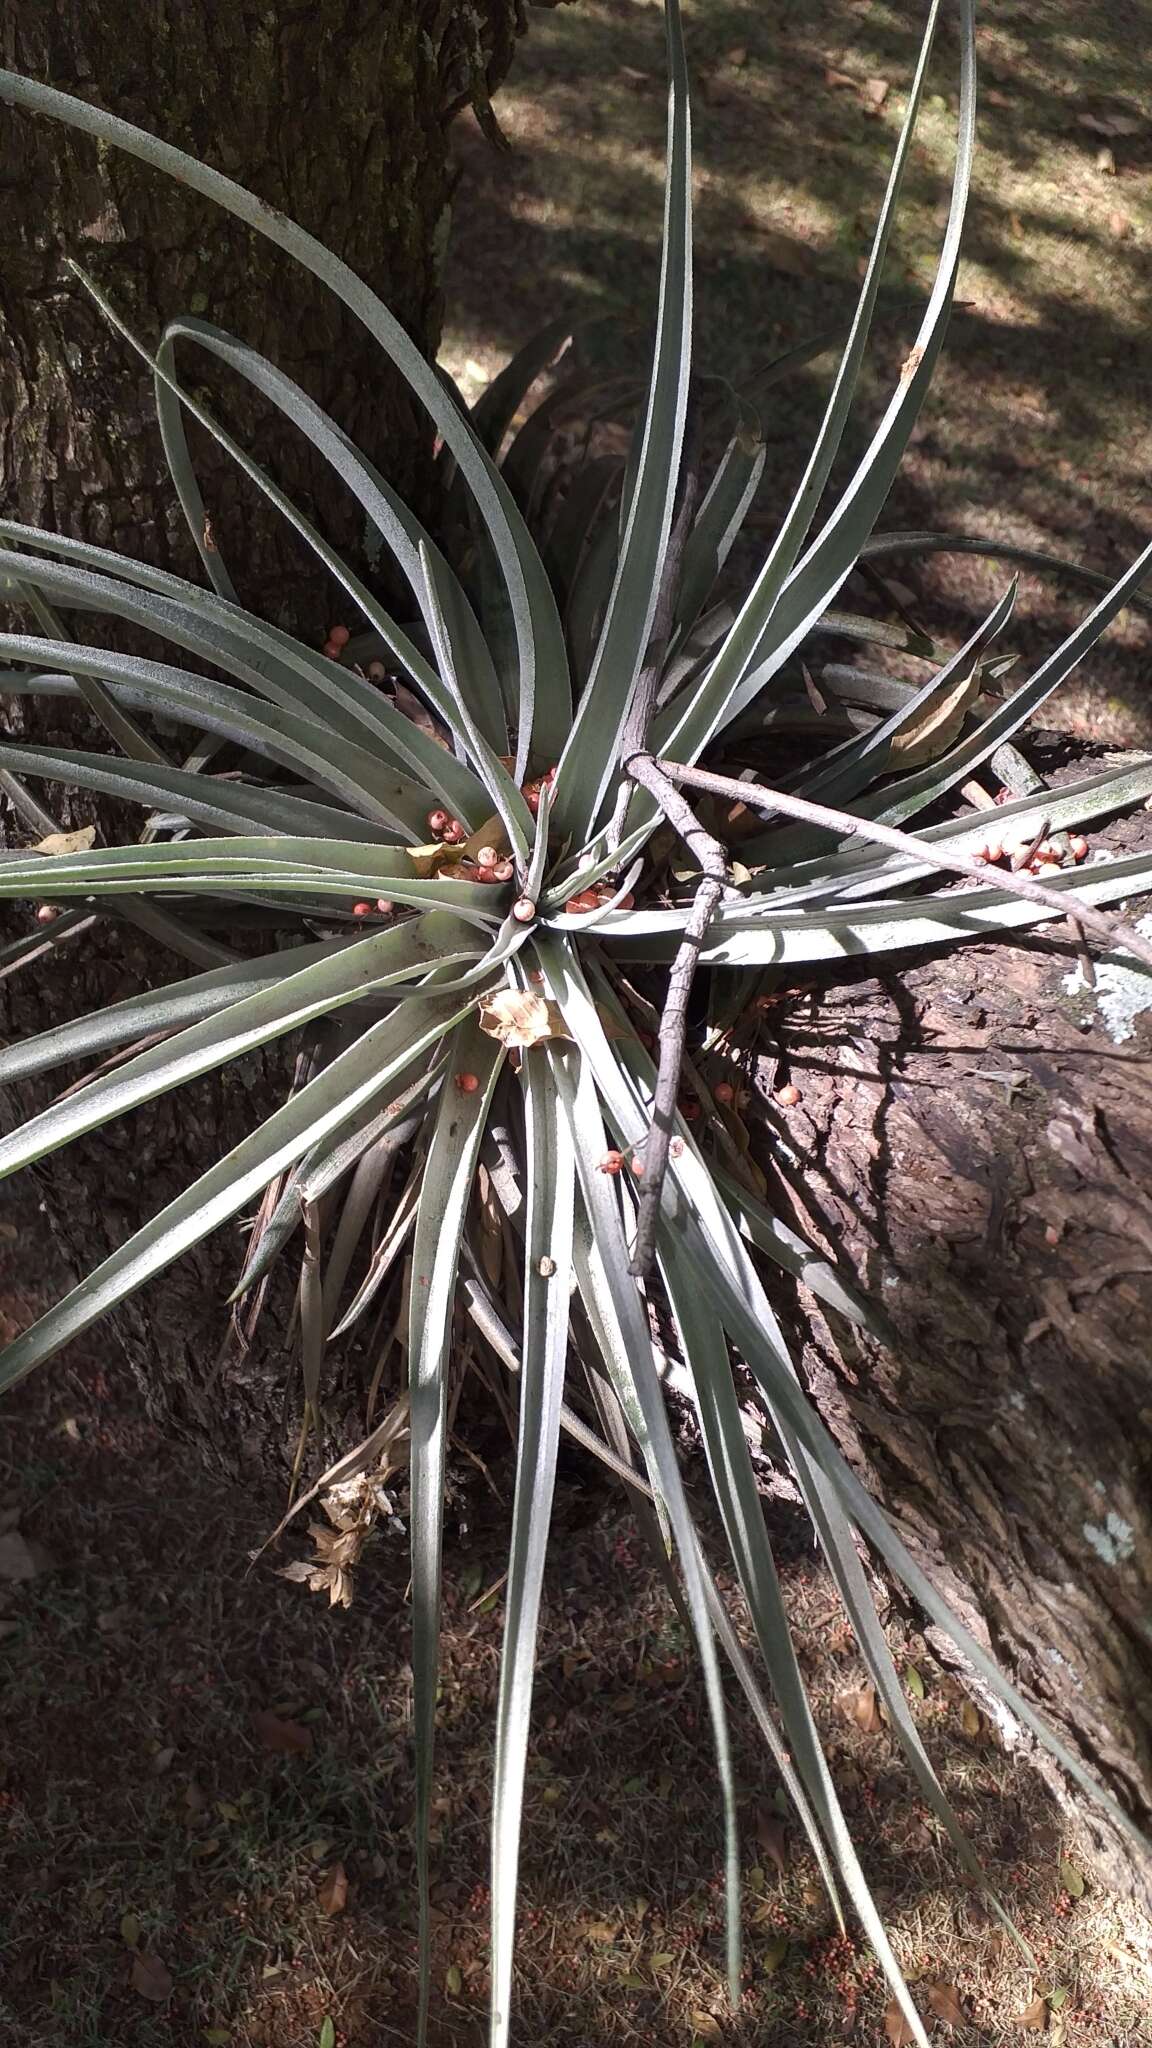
(410, 706)
(875, 91)
(332, 1896)
(896, 2027)
(785, 253)
(150, 1977)
(1034, 2017)
(863, 1707)
(58, 843)
(21, 1560)
(944, 2001)
(286, 1738)
(970, 1718)
(936, 725)
(519, 1018)
(773, 1839)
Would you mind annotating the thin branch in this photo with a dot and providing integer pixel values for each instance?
(1110, 931)
(674, 1017)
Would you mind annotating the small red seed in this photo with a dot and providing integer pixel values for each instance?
(437, 821)
(724, 1091)
(676, 1148)
(612, 1162)
(361, 909)
(454, 833)
(503, 871)
(46, 913)
(788, 1096)
(689, 1110)
(385, 908)
(338, 636)
(638, 1168)
(994, 850)
(524, 910)
(487, 857)
(467, 1083)
(1078, 847)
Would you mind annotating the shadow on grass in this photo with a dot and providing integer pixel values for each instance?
(1038, 430)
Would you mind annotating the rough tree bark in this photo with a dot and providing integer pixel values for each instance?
(978, 1145)
(336, 113)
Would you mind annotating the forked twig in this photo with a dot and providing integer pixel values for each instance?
(674, 1018)
(1112, 931)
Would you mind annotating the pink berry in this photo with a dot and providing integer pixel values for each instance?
(467, 1083)
(361, 909)
(47, 913)
(524, 910)
(611, 1162)
(338, 636)
(788, 1096)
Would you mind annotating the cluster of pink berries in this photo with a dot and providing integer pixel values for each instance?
(1027, 854)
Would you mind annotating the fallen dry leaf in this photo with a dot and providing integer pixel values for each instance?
(410, 706)
(785, 253)
(1072, 1880)
(896, 2027)
(944, 2001)
(841, 80)
(706, 2026)
(332, 1896)
(773, 1839)
(970, 1718)
(21, 1560)
(1034, 2016)
(287, 1738)
(1106, 162)
(936, 724)
(521, 1019)
(862, 1707)
(875, 91)
(1110, 124)
(58, 843)
(150, 1977)
(1119, 226)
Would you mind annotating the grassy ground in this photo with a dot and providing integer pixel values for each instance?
(1039, 430)
(170, 1868)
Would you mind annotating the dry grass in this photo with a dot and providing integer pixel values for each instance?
(139, 1800)
(1039, 430)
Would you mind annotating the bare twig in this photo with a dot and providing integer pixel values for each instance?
(674, 1017)
(1111, 931)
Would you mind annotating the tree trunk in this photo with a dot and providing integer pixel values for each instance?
(977, 1143)
(336, 114)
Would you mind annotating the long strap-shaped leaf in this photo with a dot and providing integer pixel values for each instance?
(589, 758)
(323, 1105)
(386, 511)
(538, 632)
(349, 771)
(551, 1181)
(772, 938)
(276, 667)
(242, 866)
(620, 1310)
(785, 601)
(231, 806)
(403, 955)
(444, 1193)
(161, 1009)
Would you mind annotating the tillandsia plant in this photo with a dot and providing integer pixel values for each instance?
(464, 897)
